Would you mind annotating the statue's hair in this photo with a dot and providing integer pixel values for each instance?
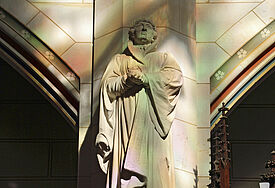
(132, 29)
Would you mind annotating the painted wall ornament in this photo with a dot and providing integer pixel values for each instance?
(139, 92)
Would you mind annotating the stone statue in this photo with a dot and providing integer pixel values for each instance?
(139, 92)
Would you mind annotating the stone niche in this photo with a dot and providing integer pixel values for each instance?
(175, 23)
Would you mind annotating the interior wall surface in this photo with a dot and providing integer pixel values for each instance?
(200, 34)
(38, 146)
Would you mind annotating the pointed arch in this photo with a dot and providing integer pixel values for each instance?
(40, 65)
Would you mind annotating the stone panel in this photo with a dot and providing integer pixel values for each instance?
(202, 1)
(266, 11)
(155, 10)
(22, 10)
(108, 17)
(79, 58)
(203, 104)
(105, 48)
(81, 136)
(184, 146)
(203, 136)
(188, 17)
(209, 58)
(182, 48)
(203, 150)
(214, 19)
(50, 33)
(186, 109)
(204, 162)
(174, 14)
(75, 19)
(240, 33)
(56, 1)
(85, 105)
(96, 90)
(203, 182)
(184, 179)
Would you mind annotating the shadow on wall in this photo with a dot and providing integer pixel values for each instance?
(90, 174)
(196, 179)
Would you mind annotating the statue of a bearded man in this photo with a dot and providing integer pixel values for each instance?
(139, 92)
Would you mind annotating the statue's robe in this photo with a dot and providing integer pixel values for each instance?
(135, 120)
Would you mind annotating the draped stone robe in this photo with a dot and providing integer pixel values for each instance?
(135, 120)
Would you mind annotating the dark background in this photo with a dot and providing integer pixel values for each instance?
(38, 147)
(252, 134)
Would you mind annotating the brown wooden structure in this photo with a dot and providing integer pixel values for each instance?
(270, 176)
(220, 153)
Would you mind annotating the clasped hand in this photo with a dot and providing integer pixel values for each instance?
(135, 74)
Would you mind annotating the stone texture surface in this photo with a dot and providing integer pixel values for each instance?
(240, 33)
(74, 19)
(105, 48)
(184, 145)
(266, 11)
(202, 103)
(108, 17)
(220, 16)
(186, 107)
(57, 1)
(79, 58)
(184, 179)
(85, 105)
(182, 48)
(22, 10)
(209, 58)
(50, 33)
(187, 18)
(156, 10)
(203, 181)
(174, 14)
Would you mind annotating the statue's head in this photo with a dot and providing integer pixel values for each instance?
(143, 32)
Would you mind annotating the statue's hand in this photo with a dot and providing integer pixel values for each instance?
(104, 151)
(134, 75)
